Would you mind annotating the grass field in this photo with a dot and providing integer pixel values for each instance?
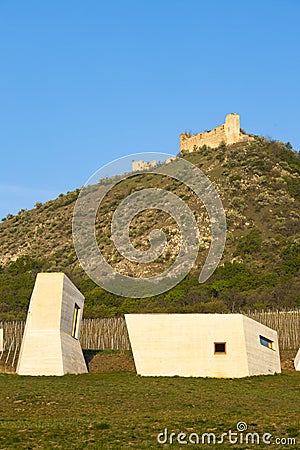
(122, 410)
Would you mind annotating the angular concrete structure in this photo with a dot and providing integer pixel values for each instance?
(297, 361)
(1, 340)
(202, 345)
(50, 343)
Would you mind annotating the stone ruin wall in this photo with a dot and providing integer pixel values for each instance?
(140, 165)
(209, 138)
(229, 133)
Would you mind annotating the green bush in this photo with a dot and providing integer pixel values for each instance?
(248, 244)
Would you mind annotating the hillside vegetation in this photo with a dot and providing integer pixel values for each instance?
(259, 185)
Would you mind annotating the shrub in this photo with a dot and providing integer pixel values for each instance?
(248, 244)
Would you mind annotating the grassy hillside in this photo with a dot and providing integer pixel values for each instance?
(259, 185)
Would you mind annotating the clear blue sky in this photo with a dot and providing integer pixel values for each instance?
(85, 82)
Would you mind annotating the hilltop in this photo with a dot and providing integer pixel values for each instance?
(259, 184)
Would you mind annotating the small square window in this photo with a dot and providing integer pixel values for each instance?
(266, 342)
(220, 347)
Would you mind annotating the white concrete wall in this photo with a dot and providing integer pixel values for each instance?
(183, 344)
(47, 346)
(261, 360)
(1, 340)
(70, 345)
(297, 361)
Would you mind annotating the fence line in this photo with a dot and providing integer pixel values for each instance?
(104, 334)
(286, 323)
(12, 334)
(111, 333)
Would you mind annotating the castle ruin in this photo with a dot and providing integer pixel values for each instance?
(228, 133)
(139, 164)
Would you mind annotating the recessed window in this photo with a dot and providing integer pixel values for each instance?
(266, 342)
(75, 324)
(220, 348)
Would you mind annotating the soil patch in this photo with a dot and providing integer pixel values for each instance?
(104, 362)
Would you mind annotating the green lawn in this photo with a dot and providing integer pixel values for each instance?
(122, 410)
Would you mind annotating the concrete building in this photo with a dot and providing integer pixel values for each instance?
(50, 344)
(297, 361)
(202, 345)
(227, 133)
(1, 340)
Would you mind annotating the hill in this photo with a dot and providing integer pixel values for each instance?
(259, 185)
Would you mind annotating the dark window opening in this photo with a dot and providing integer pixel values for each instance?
(220, 347)
(266, 342)
(75, 324)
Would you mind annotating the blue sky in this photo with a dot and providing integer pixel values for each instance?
(83, 83)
